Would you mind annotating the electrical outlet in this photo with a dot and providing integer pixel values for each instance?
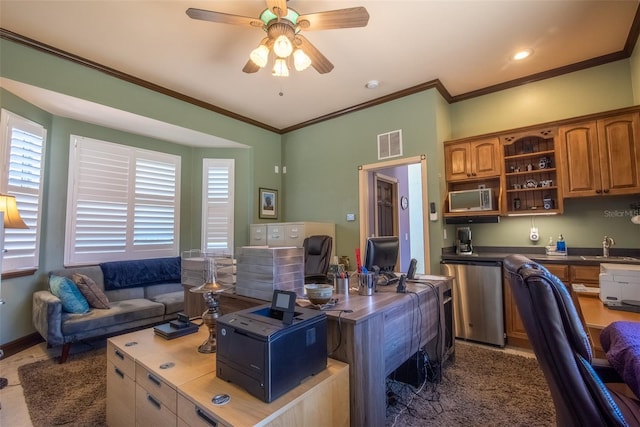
(533, 235)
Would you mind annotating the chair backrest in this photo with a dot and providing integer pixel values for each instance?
(561, 345)
(317, 255)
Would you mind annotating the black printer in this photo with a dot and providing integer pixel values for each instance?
(268, 350)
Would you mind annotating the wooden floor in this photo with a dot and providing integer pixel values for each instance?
(13, 409)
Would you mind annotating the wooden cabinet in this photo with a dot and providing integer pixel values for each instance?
(472, 160)
(158, 382)
(601, 157)
(530, 174)
(514, 328)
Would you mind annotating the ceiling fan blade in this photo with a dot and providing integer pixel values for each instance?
(223, 18)
(332, 19)
(318, 60)
(250, 67)
(278, 7)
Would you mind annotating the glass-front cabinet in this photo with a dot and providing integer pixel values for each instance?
(530, 176)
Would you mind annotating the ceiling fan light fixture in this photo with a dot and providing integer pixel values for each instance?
(301, 60)
(280, 68)
(260, 56)
(282, 46)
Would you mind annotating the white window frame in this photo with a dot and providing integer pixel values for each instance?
(22, 176)
(218, 206)
(123, 203)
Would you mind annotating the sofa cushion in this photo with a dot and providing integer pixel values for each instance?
(70, 297)
(121, 312)
(172, 301)
(88, 288)
(143, 272)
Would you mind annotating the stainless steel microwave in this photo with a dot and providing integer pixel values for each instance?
(480, 199)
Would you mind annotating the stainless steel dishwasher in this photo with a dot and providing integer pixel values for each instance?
(478, 313)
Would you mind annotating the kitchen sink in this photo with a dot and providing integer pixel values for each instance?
(609, 258)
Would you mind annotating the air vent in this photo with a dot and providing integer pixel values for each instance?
(390, 145)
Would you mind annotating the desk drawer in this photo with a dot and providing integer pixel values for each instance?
(121, 360)
(121, 393)
(159, 389)
(151, 412)
(194, 415)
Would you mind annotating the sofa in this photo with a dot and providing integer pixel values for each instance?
(132, 294)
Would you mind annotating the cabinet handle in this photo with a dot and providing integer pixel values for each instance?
(206, 417)
(154, 380)
(119, 372)
(119, 354)
(153, 401)
(606, 190)
(598, 191)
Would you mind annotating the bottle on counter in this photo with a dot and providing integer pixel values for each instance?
(561, 245)
(551, 246)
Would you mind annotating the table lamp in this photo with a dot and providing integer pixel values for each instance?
(9, 218)
(210, 291)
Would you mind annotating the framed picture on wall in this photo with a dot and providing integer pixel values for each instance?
(268, 201)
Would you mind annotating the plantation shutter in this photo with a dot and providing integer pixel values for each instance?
(218, 202)
(123, 203)
(21, 155)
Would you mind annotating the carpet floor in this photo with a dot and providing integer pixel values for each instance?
(71, 394)
(482, 387)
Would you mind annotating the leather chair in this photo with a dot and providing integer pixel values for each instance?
(317, 256)
(562, 347)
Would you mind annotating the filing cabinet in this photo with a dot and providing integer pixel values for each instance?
(289, 233)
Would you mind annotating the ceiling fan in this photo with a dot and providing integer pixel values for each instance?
(283, 26)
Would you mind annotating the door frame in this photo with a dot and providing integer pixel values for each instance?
(365, 172)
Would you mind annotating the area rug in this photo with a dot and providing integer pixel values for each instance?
(481, 387)
(71, 394)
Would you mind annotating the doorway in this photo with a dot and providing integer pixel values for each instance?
(411, 222)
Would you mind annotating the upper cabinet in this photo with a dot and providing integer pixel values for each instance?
(472, 160)
(530, 175)
(601, 157)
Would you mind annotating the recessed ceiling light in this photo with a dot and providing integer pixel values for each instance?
(522, 54)
(372, 84)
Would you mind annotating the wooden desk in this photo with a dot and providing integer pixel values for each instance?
(153, 381)
(382, 332)
(597, 316)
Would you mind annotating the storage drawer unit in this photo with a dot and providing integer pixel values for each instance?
(151, 411)
(289, 233)
(121, 387)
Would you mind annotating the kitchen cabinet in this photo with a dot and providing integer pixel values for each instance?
(472, 160)
(601, 157)
(514, 328)
(530, 175)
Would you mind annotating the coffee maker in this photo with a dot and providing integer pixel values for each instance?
(463, 241)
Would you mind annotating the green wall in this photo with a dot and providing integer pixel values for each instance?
(321, 183)
(635, 72)
(39, 69)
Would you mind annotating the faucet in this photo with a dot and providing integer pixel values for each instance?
(606, 244)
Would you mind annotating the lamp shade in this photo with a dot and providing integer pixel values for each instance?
(12, 217)
(280, 68)
(300, 60)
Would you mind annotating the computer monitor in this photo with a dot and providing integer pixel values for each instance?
(382, 252)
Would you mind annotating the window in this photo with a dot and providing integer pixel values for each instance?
(123, 203)
(22, 144)
(217, 206)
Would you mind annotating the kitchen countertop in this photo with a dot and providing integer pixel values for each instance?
(582, 256)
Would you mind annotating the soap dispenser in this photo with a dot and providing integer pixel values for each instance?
(560, 244)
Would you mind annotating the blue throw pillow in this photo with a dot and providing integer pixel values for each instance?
(69, 294)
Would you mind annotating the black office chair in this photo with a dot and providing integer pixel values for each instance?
(317, 256)
(561, 345)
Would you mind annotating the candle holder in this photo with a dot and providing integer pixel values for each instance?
(210, 293)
